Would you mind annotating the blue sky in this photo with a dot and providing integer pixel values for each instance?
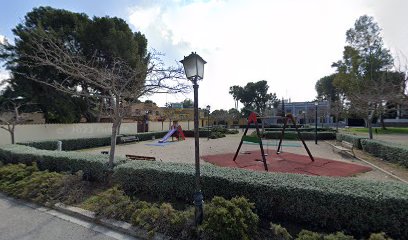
(290, 43)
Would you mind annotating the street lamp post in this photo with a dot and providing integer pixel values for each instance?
(208, 122)
(194, 70)
(316, 104)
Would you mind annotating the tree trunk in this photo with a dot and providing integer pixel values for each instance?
(12, 137)
(113, 142)
(118, 129)
(370, 128)
(337, 122)
(382, 122)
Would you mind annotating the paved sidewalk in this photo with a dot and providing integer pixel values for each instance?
(23, 221)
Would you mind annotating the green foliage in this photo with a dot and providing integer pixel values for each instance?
(389, 152)
(280, 233)
(325, 88)
(112, 203)
(379, 236)
(358, 206)
(355, 140)
(308, 235)
(94, 167)
(27, 182)
(164, 219)
(83, 143)
(104, 38)
(215, 135)
(254, 96)
(338, 236)
(291, 135)
(233, 219)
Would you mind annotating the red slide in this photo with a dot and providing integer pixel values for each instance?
(181, 133)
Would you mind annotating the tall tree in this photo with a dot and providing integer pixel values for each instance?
(326, 90)
(188, 103)
(254, 96)
(65, 25)
(111, 73)
(362, 73)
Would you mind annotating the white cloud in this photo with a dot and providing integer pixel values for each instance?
(291, 44)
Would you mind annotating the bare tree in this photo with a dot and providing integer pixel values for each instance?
(10, 116)
(116, 83)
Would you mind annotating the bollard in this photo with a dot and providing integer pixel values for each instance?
(59, 145)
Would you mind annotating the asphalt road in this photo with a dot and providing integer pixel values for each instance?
(20, 220)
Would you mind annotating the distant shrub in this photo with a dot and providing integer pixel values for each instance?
(308, 235)
(354, 139)
(292, 135)
(279, 232)
(94, 166)
(389, 152)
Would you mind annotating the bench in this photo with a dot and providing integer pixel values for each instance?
(129, 139)
(345, 147)
(135, 157)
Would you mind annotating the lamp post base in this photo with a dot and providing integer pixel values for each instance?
(199, 212)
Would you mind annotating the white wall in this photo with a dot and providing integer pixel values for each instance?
(33, 132)
(28, 132)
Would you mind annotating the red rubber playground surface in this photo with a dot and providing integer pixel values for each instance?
(287, 163)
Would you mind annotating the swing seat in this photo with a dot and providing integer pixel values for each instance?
(250, 139)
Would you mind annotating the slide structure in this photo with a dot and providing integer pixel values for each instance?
(167, 135)
(180, 134)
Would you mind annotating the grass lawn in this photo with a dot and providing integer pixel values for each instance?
(379, 130)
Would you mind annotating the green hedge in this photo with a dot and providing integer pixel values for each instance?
(354, 139)
(70, 144)
(95, 167)
(292, 129)
(305, 135)
(387, 151)
(357, 206)
(83, 143)
(201, 133)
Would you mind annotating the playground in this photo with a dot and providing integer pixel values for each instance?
(220, 152)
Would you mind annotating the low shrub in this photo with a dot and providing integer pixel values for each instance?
(305, 135)
(279, 232)
(354, 139)
(215, 135)
(201, 133)
(112, 203)
(232, 219)
(94, 167)
(338, 236)
(379, 236)
(358, 206)
(308, 235)
(389, 152)
(164, 219)
(27, 182)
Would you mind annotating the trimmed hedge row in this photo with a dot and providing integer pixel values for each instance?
(94, 167)
(70, 144)
(387, 151)
(83, 143)
(300, 129)
(201, 133)
(357, 206)
(354, 139)
(305, 135)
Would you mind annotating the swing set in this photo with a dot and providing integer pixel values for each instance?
(258, 139)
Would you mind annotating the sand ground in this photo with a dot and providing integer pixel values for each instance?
(183, 151)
